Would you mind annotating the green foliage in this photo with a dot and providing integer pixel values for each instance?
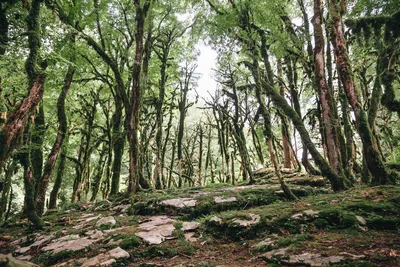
(130, 242)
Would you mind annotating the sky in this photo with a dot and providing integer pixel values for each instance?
(206, 63)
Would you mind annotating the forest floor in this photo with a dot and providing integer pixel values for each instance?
(221, 225)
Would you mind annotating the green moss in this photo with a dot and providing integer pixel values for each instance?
(293, 240)
(130, 242)
(383, 223)
(48, 259)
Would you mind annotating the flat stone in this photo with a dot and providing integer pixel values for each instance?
(20, 240)
(190, 237)
(67, 238)
(179, 202)
(311, 213)
(266, 242)
(40, 240)
(361, 220)
(190, 226)
(308, 259)
(97, 235)
(121, 208)
(154, 221)
(224, 200)
(216, 220)
(108, 258)
(106, 220)
(157, 235)
(24, 257)
(246, 223)
(72, 245)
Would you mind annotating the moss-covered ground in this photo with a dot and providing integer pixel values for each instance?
(363, 222)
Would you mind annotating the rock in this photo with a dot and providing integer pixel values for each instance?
(224, 200)
(179, 202)
(190, 226)
(121, 208)
(311, 213)
(308, 259)
(190, 237)
(108, 258)
(335, 201)
(215, 220)
(72, 262)
(19, 241)
(286, 171)
(40, 240)
(106, 220)
(10, 261)
(266, 242)
(24, 257)
(156, 230)
(245, 223)
(97, 235)
(361, 220)
(73, 245)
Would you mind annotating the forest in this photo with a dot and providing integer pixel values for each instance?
(102, 112)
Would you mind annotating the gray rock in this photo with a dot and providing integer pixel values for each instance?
(73, 245)
(156, 229)
(361, 220)
(106, 220)
(179, 202)
(108, 258)
(190, 226)
(246, 223)
(224, 200)
(215, 220)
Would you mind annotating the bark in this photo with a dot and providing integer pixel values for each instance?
(6, 190)
(118, 146)
(37, 139)
(43, 183)
(3, 29)
(372, 156)
(136, 97)
(328, 118)
(200, 165)
(99, 174)
(60, 174)
(13, 129)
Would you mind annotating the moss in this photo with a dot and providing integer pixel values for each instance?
(336, 219)
(293, 240)
(384, 223)
(349, 263)
(368, 207)
(130, 242)
(48, 259)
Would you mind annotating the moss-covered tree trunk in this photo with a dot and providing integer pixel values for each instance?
(326, 97)
(118, 146)
(37, 138)
(6, 190)
(136, 97)
(372, 155)
(43, 183)
(99, 171)
(60, 174)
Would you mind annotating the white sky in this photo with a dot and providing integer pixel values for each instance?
(206, 63)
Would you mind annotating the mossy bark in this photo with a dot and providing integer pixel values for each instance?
(44, 181)
(372, 156)
(60, 174)
(136, 98)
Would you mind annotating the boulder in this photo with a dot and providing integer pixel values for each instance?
(224, 200)
(190, 226)
(156, 229)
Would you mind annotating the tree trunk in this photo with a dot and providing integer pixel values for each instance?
(60, 174)
(43, 183)
(328, 125)
(136, 98)
(118, 146)
(372, 156)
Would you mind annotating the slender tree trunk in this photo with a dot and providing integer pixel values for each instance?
(136, 98)
(99, 173)
(43, 183)
(6, 192)
(328, 126)
(37, 139)
(118, 146)
(60, 174)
